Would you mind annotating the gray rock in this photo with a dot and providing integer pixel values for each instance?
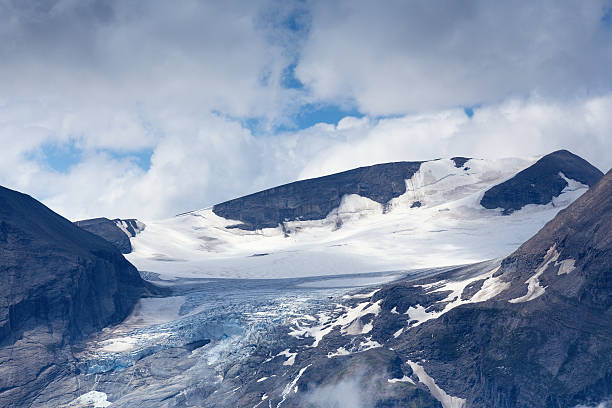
(540, 182)
(313, 199)
(59, 283)
(118, 232)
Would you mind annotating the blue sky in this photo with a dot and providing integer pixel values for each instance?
(173, 106)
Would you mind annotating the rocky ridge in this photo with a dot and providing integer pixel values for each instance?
(59, 283)
(117, 231)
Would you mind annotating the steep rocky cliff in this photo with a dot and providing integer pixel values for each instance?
(58, 283)
(546, 340)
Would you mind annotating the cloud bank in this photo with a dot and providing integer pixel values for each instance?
(147, 109)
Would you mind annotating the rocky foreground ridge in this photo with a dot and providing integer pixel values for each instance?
(58, 284)
(532, 331)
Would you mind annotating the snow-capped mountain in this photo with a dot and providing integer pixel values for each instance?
(485, 334)
(393, 216)
(531, 331)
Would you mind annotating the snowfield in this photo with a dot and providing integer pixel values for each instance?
(448, 228)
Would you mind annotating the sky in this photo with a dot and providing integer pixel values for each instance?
(146, 109)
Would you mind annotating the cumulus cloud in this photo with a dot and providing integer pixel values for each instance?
(400, 57)
(210, 159)
(203, 87)
(515, 128)
(193, 54)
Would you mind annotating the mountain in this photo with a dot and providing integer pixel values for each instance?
(118, 232)
(59, 283)
(392, 216)
(542, 181)
(532, 331)
(313, 199)
(545, 340)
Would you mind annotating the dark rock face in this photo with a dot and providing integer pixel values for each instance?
(117, 231)
(460, 161)
(313, 199)
(59, 283)
(552, 351)
(539, 183)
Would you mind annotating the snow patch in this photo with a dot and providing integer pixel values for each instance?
(94, 399)
(438, 393)
(290, 357)
(565, 266)
(341, 351)
(292, 386)
(491, 287)
(400, 380)
(367, 344)
(348, 321)
(534, 289)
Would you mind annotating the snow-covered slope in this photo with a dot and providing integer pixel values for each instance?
(438, 221)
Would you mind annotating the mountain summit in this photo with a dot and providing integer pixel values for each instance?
(541, 182)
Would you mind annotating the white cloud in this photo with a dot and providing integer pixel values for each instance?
(205, 160)
(113, 79)
(513, 128)
(402, 57)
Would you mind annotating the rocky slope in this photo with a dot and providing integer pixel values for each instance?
(58, 283)
(118, 232)
(313, 199)
(542, 181)
(546, 340)
(532, 331)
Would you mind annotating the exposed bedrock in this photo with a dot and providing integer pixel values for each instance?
(313, 199)
(540, 182)
(58, 284)
(118, 232)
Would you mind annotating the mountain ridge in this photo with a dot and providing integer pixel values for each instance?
(315, 198)
(59, 284)
(540, 182)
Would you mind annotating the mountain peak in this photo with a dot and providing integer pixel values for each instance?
(542, 181)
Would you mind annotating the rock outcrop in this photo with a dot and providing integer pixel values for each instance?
(118, 232)
(313, 199)
(540, 182)
(58, 284)
(546, 340)
(533, 331)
